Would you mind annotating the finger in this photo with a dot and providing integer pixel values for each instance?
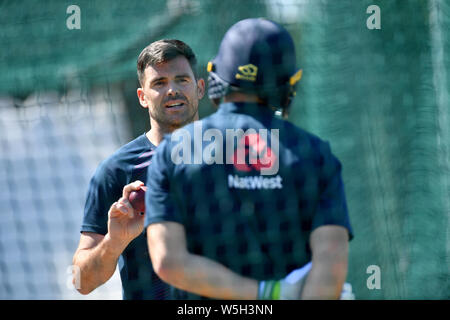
(112, 210)
(136, 185)
(126, 203)
(116, 210)
(121, 209)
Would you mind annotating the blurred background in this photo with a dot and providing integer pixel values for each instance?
(375, 86)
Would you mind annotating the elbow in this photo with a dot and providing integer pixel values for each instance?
(77, 282)
(330, 261)
(336, 267)
(168, 252)
(84, 291)
(325, 282)
(337, 274)
(168, 268)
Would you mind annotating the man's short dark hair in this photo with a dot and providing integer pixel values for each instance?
(163, 51)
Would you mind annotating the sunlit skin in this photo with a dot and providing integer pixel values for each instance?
(171, 93)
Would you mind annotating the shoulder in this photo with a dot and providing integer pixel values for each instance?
(125, 157)
(291, 128)
(135, 147)
(295, 136)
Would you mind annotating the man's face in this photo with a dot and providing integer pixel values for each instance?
(171, 93)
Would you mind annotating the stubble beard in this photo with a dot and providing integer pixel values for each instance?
(169, 123)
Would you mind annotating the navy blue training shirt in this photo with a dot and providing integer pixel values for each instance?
(126, 165)
(209, 178)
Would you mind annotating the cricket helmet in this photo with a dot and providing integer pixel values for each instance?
(258, 56)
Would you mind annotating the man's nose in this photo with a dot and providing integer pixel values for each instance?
(172, 89)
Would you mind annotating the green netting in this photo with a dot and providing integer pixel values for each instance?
(39, 51)
(381, 97)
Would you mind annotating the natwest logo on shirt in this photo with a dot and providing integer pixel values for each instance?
(254, 182)
(253, 154)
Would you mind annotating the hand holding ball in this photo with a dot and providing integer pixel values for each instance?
(137, 199)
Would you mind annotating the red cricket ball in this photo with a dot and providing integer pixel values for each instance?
(137, 199)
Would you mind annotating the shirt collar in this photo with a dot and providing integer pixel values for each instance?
(253, 109)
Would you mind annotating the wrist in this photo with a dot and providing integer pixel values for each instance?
(114, 246)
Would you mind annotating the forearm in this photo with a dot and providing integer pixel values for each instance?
(175, 265)
(96, 265)
(208, 278)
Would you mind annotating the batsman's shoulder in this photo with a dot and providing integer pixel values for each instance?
(305, 137)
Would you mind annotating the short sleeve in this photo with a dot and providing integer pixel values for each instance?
(159, 201)
(332, 205)
(102, 193)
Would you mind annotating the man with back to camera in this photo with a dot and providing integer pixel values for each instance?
(111, 231)
(241, 198)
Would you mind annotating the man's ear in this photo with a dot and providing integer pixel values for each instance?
(141, 97)
(200, 88)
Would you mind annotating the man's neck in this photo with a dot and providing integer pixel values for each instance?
(247, 98)
(153, 138)
(241, 97)
(156, 134)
